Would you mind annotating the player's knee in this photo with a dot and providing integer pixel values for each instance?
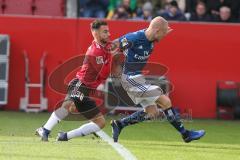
(153, 115)
(61, 112)
(100, 121)
(152, 111)
(164, 102)
(68, 105)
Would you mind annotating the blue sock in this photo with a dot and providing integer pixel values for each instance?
(174, 118)
(134, 118)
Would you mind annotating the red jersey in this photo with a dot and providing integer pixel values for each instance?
(96, 66)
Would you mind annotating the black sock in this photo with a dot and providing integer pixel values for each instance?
(134, 118)
(174, 119)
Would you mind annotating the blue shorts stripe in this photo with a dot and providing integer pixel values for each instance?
(136, 84)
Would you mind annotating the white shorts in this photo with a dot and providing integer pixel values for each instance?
(139, 91)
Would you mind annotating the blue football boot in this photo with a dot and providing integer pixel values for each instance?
(62, 136)
(116, 129)
(193, 135)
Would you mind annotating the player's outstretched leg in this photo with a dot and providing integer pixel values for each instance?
(118, 125)
(96, 124)
(187, 135)
(54, 119)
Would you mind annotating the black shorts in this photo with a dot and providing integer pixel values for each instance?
(79, 94)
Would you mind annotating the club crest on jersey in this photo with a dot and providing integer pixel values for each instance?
(99, 60)
(124, 42)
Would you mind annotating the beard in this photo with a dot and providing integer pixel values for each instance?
(104, 41)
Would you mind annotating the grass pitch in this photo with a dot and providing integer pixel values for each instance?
(147, 141)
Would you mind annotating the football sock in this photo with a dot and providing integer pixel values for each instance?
(84, 130)
(134, 118)
(175, 120)
(52, 121)
(55, 118)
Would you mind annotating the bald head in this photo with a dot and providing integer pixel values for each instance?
(158, 22)
(157, 29)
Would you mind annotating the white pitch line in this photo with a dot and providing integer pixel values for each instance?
(123, 152)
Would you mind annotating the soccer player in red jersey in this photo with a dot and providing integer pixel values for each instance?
(94, 71)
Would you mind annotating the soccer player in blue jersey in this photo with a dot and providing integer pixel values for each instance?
(137, 47)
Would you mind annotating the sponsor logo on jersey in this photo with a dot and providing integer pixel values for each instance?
(142, 57)
(99, 60)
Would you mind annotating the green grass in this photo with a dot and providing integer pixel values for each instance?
(147, 141)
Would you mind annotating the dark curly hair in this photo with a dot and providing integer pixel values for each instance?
(95, 25)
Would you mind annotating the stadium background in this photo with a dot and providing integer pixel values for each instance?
(196, 54)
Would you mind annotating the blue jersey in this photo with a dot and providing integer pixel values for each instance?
(137, 53)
